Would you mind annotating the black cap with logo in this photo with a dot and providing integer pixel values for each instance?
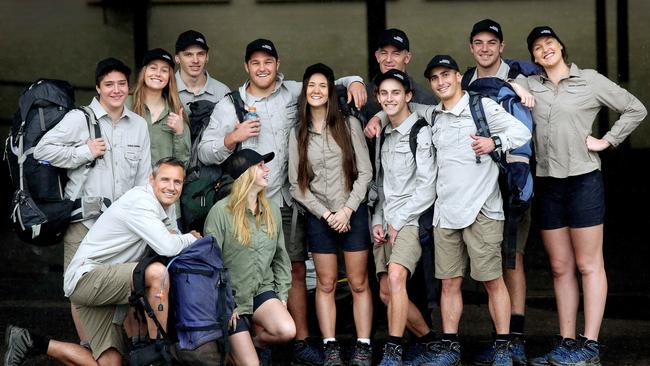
(107, 65)
(398, 75)
(541, 31)
(158, 54)
(240, 161)
(395, 37)
(440, 60)
(319, 68)
(260, 44)
(191, 38)
(487, 25)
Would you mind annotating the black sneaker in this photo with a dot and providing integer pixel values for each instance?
(332, 352)
(392, 355)
(19, 345)
(306, 354)
(361, 355)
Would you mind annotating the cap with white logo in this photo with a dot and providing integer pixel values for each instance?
(394, 37)
(486, 25)
(440, 60)
(158, 54)
(395, 74)
(260, 44)
(541, 31)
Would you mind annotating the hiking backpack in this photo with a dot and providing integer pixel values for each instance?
(200, 295)
(517, 67)
(204, 184)
(515, 176)
(40, 211)
(348, 109)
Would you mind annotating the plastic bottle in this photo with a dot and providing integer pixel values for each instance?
(251, 113)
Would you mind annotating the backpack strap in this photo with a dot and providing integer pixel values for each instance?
(467, 77)
(94, 131)
(138, 297)
(482, 128)
(413, 135)
(236, 100)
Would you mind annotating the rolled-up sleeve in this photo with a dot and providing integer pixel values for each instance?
(511, 131)
(65, 146)
(222, 121)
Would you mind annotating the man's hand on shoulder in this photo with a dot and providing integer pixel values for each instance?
(357, 91)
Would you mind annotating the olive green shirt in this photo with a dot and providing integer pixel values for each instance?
(325, 168)
(164, 142)
(262, 266)
(564, 116)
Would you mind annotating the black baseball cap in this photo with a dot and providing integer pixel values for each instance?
(398, 75)
(487, 25)
(191, 38)
(158, 54)
(240, 161)
(260, 44)
(441, 60)
(319, 68)
(541, 31)
(110, 64)
(395, 37)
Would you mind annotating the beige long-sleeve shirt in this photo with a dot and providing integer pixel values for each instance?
(326, 191)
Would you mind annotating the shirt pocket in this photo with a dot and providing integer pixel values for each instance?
(461, 130)
(132, 157)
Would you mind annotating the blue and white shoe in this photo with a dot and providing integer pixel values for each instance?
(586, 353)
(448, 355)
(563, 346)
(392, 355)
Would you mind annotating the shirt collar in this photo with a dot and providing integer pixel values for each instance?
(405, 127)
(162, 210)
(574, 72)
(278, 84)
(100, 112)
(462, 103)
(207, 87)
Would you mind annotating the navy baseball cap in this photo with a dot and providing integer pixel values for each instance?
(440, 60)
(541, 31)
(395, 37)
(158, 54)
(191, 38)
(487, 25)
(240, 161)
(319, 68)
(398, 75)
(108, 65)
(263, 45)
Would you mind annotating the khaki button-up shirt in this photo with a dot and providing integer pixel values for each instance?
(326, 191)
(213, 90)
(564, 116)
(408, 182)
(126, 163)
(262, 266)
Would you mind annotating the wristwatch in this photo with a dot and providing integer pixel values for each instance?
(497, 142)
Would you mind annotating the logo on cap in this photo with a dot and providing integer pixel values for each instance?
(200, 40)
(399, 76)
(494, 28)
(399, 39)
(267, 47)
(546, 31)
(167, 57)
(445, 61)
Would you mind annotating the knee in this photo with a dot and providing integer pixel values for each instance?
(590, 266)
(396, 279)
(285, 332)
(561, 268)
(154, 274)
(494, 285)
(451, 285)
(358, 285)
(326, 285)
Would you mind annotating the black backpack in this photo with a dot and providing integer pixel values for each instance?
(204, 184)
(40, 212)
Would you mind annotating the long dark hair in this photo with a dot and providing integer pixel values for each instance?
(335, 122)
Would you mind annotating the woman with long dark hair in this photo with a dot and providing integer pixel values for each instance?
(329, 172)
(248, 228)
(569, 186)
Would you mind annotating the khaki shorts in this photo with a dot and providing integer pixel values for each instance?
(481, 241)
(406, 251)
(73, 236)
(523, 229)
(96, 295)
(297, 249)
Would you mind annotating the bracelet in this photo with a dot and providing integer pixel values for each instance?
(328, 216)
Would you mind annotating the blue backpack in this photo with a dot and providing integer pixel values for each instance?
(515, 178)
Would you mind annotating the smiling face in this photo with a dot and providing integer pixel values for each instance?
(167, 184)
(317, 91)
(261, 175)
(547, 51)
(445, 83)
(389, 57)
(486, 49)
(156, 74)
(262, 70)
(394, 99)
(192, 61)
(113, 89)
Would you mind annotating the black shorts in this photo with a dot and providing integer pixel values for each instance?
(575, 202)
(322, 239)
(244, 322)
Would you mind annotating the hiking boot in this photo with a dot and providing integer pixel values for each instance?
(502, 354)
(306, 354)
(563, 346)
(422, 353)
(517, 353)
(361, 355)
(264, 355)
(586, 353)
(332, 352)
(19, 345)
(392, 355)
(448, 354)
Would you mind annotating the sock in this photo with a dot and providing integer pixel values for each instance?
(450, 337)
(327, 340)
(40, 343)
(517, 323)
(499, 338)
(429, 337)
(364, 340)
(394, 340)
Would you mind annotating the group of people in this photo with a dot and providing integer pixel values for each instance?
(302, 171)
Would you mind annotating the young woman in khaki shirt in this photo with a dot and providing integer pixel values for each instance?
(329, 171)
(569, 187)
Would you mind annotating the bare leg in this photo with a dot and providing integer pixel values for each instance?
(326, 274)
(515, 280)
(415, 323)
(499, 304)
(156, 296)
(274, 323)
(398, 305)
(75, 355)
(297, 302)
(242, 350)
(356, 266)
(560, 251)
(451, 304)
(588, 248)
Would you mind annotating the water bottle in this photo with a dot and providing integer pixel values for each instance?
(251, 113)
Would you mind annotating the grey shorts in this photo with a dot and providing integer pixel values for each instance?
(406, 251)
(296, 248)
(523, 229)
(481, 242)
(96, 297)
